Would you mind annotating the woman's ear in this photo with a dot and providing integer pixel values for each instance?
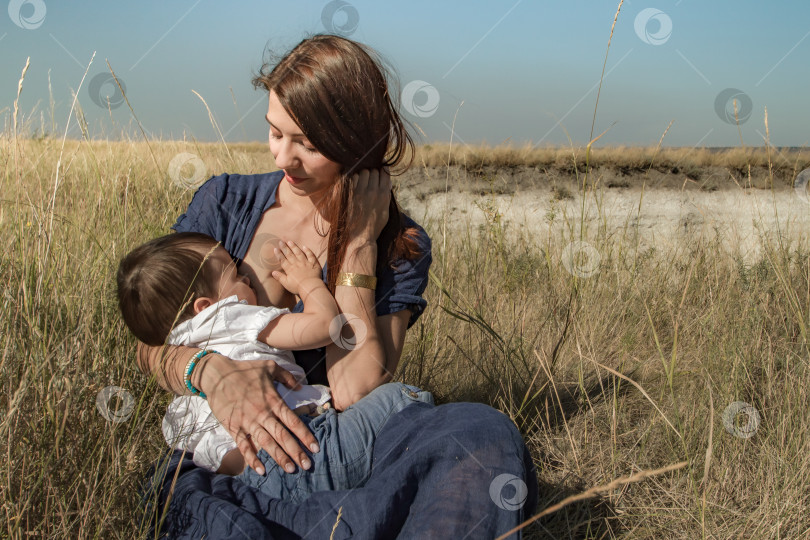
(201, 303)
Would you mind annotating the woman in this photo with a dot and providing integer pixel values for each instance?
(334, 132)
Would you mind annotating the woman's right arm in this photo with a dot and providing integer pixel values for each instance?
(167, 363)
(244, 399)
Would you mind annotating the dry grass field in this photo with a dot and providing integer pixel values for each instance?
(616, 340)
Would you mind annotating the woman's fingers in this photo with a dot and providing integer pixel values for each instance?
(251, 409)
(249, 453)
(361, 181)
(385, 180)
(279, 445)
(275, 430)
(372, 179)
(283, 427)
(371, 189)
(377, 179)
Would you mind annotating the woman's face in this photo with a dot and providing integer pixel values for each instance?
(307, 171)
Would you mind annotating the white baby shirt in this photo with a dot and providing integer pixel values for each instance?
(231, 327)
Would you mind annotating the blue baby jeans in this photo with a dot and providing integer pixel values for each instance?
(346, 441)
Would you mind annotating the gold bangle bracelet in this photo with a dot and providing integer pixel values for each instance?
(350, 279)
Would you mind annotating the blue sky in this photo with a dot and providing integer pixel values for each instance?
(505, 71)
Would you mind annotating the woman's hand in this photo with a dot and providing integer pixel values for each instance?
(371, 197)
(244, 399)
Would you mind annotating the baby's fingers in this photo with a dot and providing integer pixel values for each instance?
(282, 260)
(303, 253)
(280, 276)
(296, 251)
(310, 256)
(286, 256)
(282, 251)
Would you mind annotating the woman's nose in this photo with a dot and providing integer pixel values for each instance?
(285, 158)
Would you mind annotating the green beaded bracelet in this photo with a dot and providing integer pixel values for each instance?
(190, 367)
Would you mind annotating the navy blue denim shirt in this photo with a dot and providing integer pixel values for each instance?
(229, 207)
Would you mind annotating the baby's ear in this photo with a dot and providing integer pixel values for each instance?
(201, 303)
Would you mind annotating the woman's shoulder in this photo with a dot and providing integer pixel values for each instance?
(241, 184)
(225, 193)
(228, 208)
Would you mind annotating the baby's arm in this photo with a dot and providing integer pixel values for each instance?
(301, 275)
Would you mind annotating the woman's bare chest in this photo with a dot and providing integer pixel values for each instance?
(261, 260)
(277, 225)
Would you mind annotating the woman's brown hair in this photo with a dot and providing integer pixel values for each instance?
(336, 91)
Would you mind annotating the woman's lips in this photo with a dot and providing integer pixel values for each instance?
(293, 179)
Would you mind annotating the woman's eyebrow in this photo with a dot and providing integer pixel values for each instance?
(274, 127)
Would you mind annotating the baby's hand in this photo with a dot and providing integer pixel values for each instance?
(297, 266)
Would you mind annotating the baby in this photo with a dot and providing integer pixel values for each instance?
(184, 289)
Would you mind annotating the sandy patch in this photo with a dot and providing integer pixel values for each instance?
(661, 216)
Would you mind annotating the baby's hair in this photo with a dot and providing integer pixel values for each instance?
(159, 280)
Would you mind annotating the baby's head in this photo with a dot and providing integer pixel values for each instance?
(172, 278)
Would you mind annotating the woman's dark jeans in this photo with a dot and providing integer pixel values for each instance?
(459, 470)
